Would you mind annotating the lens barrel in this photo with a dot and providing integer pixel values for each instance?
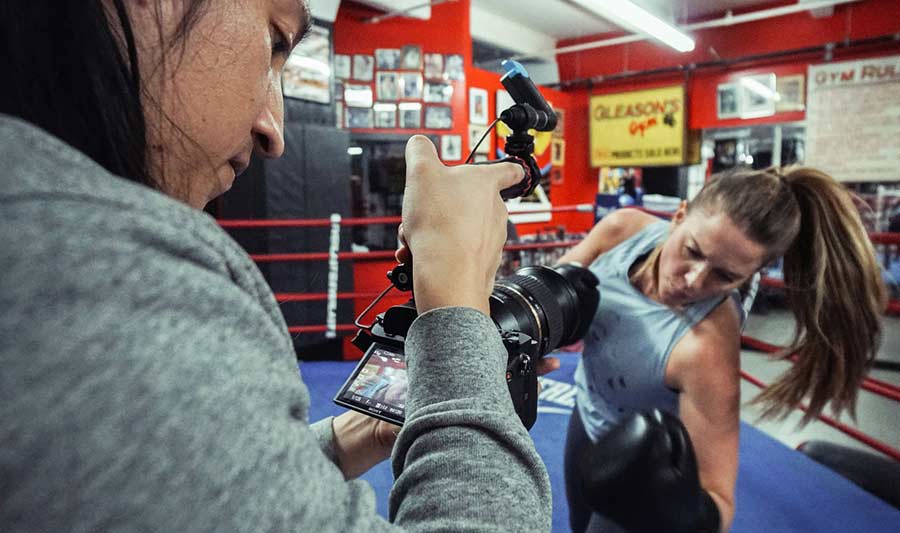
(554, 306)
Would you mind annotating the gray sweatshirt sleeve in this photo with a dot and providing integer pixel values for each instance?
(149, 381)
(464, 461)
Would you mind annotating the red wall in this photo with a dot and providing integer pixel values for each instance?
(447, 32)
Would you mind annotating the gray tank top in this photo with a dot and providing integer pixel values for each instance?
(627, 347)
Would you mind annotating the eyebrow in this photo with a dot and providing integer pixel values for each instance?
(727, 272)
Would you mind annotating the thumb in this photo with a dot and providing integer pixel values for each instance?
(421, 156)
(505, 174)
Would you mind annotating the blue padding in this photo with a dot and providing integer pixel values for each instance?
(778, 489)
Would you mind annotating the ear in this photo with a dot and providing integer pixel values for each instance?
(681, 213)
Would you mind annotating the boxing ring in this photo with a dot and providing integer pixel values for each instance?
(778, 488)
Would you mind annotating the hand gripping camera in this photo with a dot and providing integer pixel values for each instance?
(536, 310)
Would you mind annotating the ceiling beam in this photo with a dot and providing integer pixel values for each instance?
(500, 31)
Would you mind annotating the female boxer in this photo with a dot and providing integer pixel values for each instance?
(667, 333)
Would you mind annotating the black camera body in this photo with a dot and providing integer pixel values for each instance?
(536, 310)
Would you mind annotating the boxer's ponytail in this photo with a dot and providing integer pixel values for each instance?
(835, 290)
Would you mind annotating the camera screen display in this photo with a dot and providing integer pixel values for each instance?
(378, 385)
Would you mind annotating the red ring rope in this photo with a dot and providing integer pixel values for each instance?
(856, 434)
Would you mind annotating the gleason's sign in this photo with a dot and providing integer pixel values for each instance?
(638, 128)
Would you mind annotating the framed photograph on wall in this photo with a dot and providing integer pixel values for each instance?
(363, 67)
(410, 115)
(478, 106)
(306, 74)
(358, 95)
(388, 85)
(557, 152)
(475, 134)
(758, 95)
(434, 66)
(728, 101)
(791, 92)
(385, 115)
(410, 85)
(387, 58)
(341, 67)
(359, 117)
(560, 129)
(451, 147)
(556, 176)
(438, 117)
(411, 57)
(454, 68)
(438, 93)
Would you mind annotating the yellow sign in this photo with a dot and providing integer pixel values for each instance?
(639, 128)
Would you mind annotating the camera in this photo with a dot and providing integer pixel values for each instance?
(536, 310)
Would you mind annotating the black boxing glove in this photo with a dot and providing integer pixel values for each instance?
(643, 475)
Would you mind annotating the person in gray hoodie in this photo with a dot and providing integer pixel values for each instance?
(148, 378)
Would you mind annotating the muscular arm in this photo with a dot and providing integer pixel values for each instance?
(705, 366)
(607, 234)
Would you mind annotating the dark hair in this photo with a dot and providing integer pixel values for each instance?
(72, 70)
(831, 273)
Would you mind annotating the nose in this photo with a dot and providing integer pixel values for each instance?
(696, 276)
(268, 128)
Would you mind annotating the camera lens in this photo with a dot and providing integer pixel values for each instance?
(554, 306)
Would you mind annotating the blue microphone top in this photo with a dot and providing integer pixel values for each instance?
(514, 68)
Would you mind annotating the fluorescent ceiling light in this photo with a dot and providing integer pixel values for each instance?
(759, 88)
(628, 15)
(355, 150)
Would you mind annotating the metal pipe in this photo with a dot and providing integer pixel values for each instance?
(893, 38)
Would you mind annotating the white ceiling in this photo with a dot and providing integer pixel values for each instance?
(561, 19)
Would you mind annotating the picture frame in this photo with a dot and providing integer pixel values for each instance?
(757, 95)
(363, 67)
(410, 115)
(306, 74)
(411, 57)
(359, 117)
(387, 58)
(478, 106)
(434, 66)
(358, 95)
(388, 85)
(454, 68)
(438, 93)
(556, 176)
(560, 129)
(342, 67)
(792, 93)
(475, 133)
(411, 86)
(438, 117)
(728, 102)
(451, 147)
(385, 115)
(557, 152)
